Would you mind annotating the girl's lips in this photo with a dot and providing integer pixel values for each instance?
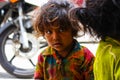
(57, 44)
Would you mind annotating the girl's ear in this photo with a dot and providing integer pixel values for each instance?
(116, 3)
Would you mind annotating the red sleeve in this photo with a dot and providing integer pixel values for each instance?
(38, 74)
(89, 61)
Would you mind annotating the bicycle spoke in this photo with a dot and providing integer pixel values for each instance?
(31, 62)
(12, 59)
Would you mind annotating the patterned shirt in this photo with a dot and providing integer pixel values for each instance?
(78, 65)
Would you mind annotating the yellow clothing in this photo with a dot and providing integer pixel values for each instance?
(107, 61)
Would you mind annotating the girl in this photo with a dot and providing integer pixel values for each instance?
(64, 58)
(102, 18)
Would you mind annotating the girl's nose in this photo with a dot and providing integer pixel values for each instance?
(55, 35)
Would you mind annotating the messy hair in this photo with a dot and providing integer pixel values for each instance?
(55, 13)
(100, 17)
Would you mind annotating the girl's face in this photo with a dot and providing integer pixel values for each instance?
(58, 38)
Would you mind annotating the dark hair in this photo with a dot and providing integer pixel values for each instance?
(100, 17)
(55, 13)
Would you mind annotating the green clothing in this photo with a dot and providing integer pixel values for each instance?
(107, 61)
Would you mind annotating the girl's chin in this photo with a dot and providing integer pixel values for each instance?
(59, 49)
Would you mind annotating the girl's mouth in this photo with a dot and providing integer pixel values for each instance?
(57, 45)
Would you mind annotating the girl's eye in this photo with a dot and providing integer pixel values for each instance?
(48, 32)
(61, 30)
